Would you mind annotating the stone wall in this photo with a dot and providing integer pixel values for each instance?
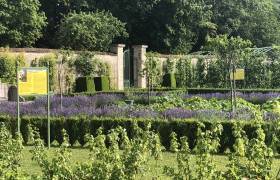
(139, 53)
(113, 58)
(4, 90)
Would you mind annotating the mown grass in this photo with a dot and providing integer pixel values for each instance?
(155, 169)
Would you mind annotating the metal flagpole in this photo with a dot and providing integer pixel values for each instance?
(18, 111)
(48, 92)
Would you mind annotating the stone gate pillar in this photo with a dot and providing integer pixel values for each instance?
(118, 49)
(139, 58)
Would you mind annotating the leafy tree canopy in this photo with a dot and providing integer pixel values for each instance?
(90, 31)
(21, 22)
(255, 20)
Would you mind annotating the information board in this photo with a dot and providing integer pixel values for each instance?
(33, 81)
(239, 74)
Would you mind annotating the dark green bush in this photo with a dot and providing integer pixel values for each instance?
(102, 83)
(85, 84)
(12, 93)
(89, 31)
(169, 80)
(78, 127)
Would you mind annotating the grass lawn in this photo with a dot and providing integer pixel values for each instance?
(155, 168)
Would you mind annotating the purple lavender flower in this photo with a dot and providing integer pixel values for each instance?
(178, 113)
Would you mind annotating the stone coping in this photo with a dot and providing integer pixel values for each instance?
(44, 50)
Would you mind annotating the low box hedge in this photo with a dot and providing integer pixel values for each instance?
(79, 126)
(85, 84)
(169, 81)
(102, 83)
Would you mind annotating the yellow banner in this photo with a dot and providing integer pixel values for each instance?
(33, 81)
(239, 74)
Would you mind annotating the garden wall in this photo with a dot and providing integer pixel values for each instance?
(4, 91)
(113, 58)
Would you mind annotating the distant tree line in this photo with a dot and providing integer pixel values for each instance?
(167, 26)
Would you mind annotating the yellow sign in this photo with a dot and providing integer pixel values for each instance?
(33, 81)
(238, 75)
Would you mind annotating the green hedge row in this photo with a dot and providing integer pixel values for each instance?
(78, 127)
(102, 83)
(91, 84)
(85, 84)
(169, 80)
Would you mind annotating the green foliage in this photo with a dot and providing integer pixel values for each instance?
(102, 83)
(58, 167)
(251, 158)
(10, 154)
(184, 73)
(275, 138)
(90, 31)
(183, 163)
(169, 80)
(166, 26)
(235, 166)
(257, 69)
(169, 66)
(183, 24)
(151, 70)
(239, 18)
(207, 143)
(258, 155)
(272, 106)
(107, 162)
(77, 127)
(87, 65)
(84, 64)
(174, 145)
(200, 73)
(274, 67)
(227, 90)
(229, 50)
(30, 135)
(21, 22)
(85, 84)
(8, 66)
(165, 102)
(66, 71)
(261, 68)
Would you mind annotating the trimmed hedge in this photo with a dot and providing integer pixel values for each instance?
(12, 93)
(85, 84)
(102, 83)
(169, 80)
(78, 127)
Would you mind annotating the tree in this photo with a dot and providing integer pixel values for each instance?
(175, 26)
(229, 50)
(90, 31)
(8, 66)
(184, 72)
(84, 64)
(151, 72)
(166, 26)
(255, 20)
(55, 11)
(21, 22)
